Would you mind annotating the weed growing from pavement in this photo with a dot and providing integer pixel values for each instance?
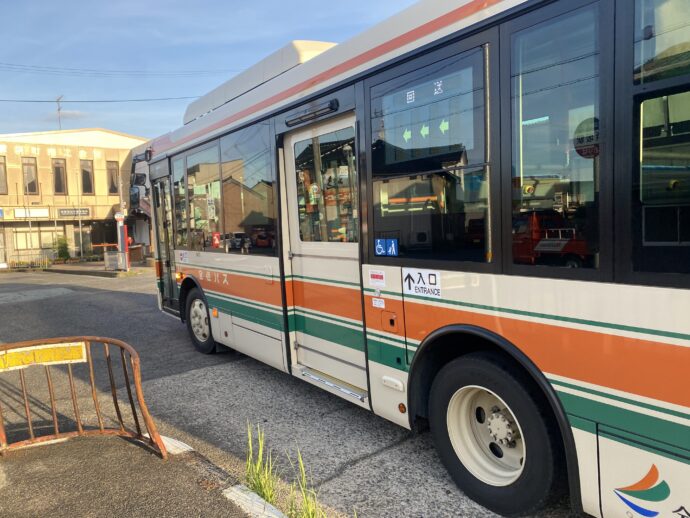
(309, 506)
(260, 471)
(301, 500)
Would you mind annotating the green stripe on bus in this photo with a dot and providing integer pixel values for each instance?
(381, 336)
(546, 316)
(328, 316)
(386, 354)
(251, 313)
(239, 300)
(621, 399)
(582, 424)
(667, 432)
(645, 443)
(330, 331)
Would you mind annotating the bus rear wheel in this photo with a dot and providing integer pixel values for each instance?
(493, 436)
(198, 322)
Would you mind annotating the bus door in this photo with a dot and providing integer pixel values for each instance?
(166, 273)
(323, 284)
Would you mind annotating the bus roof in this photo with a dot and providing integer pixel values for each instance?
(236, 102)
(291, 55)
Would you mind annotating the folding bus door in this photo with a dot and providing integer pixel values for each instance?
(322, 257)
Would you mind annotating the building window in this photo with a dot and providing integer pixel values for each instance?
(555, 90)
(30, 172)
(248, 192)
(113, 170)
(86, 176)
(662, 36)
(3, 176)
(429, 162)
(203, 200)
(59, 176)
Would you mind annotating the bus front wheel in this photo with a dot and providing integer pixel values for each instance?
(493, 436)
(198, 322)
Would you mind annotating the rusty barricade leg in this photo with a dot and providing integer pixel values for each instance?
(68, 352)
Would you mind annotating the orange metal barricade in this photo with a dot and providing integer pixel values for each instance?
(68, 352)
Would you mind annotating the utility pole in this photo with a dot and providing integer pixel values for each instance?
(59, 109)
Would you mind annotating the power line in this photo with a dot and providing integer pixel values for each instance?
(151, 99)
(93, 72)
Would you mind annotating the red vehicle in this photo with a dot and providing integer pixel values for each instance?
(549, 238)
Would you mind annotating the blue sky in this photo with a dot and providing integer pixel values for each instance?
(223, 37)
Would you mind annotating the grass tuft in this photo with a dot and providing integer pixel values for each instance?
(260, 470)
(309, 506)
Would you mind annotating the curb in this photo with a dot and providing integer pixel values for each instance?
(240, 495)
(251, 503)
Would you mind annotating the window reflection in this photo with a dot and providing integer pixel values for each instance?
(327, 187)
(661, 215)
(203, 188)
(249, 192)
(431, 187)
(180, 203)
(555, 100)
(662, 39)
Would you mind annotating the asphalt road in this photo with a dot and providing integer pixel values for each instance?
(358, 461)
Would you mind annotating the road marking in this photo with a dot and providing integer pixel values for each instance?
(18, 297)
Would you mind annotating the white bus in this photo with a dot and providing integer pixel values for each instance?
(473, 216)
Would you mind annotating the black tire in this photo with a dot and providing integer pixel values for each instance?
(207, 346)
(542, 480)
(572, 261)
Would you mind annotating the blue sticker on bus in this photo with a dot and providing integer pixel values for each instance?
(387, 247)
(392, 247)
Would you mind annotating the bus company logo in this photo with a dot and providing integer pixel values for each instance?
(648, 489)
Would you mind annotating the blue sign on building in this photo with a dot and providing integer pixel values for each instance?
(2, 213)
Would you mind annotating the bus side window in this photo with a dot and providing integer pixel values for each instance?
(327, 187)
(555, 129)
(661, 190)
(429, 160)
(249, 192)
(203, 198)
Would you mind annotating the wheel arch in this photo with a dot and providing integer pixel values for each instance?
(440, 346)
(188, 284)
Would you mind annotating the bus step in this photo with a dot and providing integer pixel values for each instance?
(329, 382)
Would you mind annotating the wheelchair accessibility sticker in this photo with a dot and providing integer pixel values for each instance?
(386, 247)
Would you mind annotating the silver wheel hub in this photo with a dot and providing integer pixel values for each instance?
(486, 436)
(198, 319)
(502, 428)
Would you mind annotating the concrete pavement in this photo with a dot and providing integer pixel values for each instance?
(106, 476)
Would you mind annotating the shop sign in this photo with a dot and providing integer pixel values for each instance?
(31, 213)
(2, 213)
(71, 213)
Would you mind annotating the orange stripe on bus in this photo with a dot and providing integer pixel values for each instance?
(341, 302)
(430, 27)
(252, 288)
(643, 367)
(375, 317)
